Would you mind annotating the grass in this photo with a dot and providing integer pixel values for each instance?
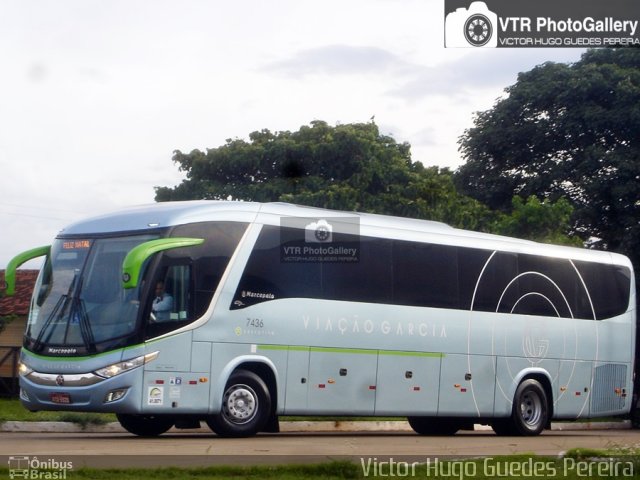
(12, 409)
(576, 465)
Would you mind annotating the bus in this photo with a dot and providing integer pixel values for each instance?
(237, 313)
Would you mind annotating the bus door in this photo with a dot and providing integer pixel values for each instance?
(170, 381)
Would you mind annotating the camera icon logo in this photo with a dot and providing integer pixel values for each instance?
(474, 27)
(318, 232)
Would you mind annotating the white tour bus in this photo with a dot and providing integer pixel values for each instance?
(236, 313)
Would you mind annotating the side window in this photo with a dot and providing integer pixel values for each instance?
(548, 287)
(608, 286)
(425, 275)
(208, 261)
(266, 277)
(497, 290)
(177, 286)
(186, 278)
(367, 280)
(471, 261)
(171, 305)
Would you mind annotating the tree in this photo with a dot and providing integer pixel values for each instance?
(565, 130)
(351, 167)
(346, 167)
(543, 221)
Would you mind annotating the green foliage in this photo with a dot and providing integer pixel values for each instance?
(542, 221)
(349, 167)
(85, 419)
(338, 469)
(346, 167)
(565, 131)
(513, 466)
(12, 410)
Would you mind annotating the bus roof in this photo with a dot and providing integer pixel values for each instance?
(168, 214)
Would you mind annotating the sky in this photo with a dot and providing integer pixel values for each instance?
(96, 95)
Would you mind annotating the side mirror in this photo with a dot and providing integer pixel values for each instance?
(12, 266)
(132, 263)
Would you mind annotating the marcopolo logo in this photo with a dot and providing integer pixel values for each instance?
(543, 23)
(474, 26)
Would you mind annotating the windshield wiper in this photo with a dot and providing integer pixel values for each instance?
(61, 306)
(85, 326)
(38, 340)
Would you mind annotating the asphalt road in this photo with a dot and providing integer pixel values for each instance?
(184, 449)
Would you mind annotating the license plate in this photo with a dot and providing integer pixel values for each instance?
(60, 397)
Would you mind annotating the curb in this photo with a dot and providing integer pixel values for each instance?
(288, 427)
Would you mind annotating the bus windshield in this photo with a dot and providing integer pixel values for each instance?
(79, 302)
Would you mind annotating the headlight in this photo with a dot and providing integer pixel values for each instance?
(23, 370)
(121, 367)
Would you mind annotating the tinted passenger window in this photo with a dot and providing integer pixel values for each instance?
(470, 263)
(266, 277)
(498, 289)
(425, 275)
(439, 276)
(368, 280)
(548, 287)
(609, 287)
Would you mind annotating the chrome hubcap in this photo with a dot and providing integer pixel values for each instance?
(531, 408)
(240, 404)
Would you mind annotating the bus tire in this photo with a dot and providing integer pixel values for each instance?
(530, 411)
(635, 417)
(434, 425)
(503, 427)
(246, 406)
(145, 425)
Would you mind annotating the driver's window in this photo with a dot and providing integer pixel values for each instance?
(177, 284)
(170, 305)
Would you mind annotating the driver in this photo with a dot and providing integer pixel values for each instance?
(162, 304)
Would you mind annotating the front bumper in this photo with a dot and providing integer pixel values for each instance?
(84, 392)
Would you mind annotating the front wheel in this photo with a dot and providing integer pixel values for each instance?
(530, 411)
(246, 405)
(145, 425)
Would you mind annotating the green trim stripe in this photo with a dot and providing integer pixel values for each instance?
(293, 348)
(361, 351)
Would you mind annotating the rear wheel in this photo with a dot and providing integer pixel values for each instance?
(246, 405)
(145, 425)
(435, 425)
(530, 411)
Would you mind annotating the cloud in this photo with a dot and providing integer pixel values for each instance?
(475, 69)
(340, 60)
(37, 72)
(479, 69)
